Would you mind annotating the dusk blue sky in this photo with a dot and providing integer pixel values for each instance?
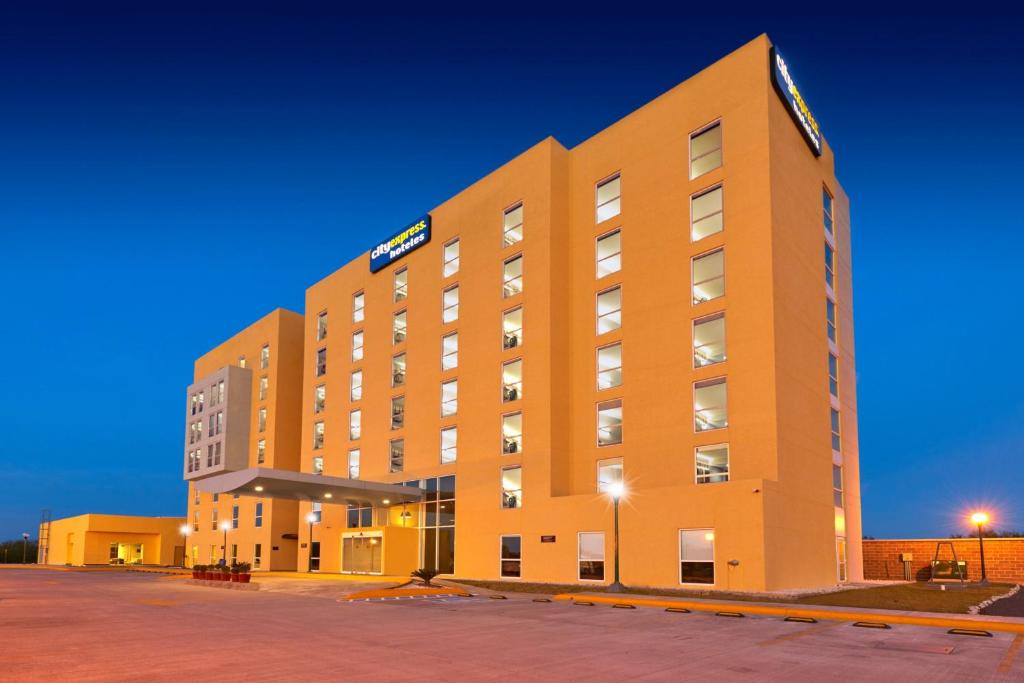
(168, 177)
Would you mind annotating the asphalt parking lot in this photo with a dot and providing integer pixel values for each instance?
(104, 626)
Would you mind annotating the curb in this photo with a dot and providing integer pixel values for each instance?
(976, 609)
(229, 585)
(404, 593)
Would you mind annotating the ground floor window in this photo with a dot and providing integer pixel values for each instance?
(314, 556)
(213, 554)
(437, 522)
(362, 554)
(697, 556)
(234, 553)
(257, 556)
(841, 558)
(591, 556)
(511, 556)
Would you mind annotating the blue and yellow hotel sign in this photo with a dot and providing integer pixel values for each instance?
(407, 239)
(794, 101)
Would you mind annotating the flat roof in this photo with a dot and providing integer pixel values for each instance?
(271, 483)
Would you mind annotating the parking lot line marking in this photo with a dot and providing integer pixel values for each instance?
(798, 634)
(1011, 654)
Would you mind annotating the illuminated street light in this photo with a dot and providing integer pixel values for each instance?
(981, 519)
(616, 490)
(184, 529)
(311, 518)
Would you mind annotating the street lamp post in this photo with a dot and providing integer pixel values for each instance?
(24, 547)
(980, 518)
(311, 517)
(184, 545)
(616, 490)
(224, 557)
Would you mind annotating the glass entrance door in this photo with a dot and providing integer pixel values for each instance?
(362, 554)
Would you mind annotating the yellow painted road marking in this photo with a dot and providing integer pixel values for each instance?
(798, 634)
(1011, 654)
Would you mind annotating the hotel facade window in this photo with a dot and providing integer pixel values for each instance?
(401, 292)
(830, 319)
(511, 557)
(512, 277)
(357, 345)
(609, 366)
(450, 351)
(708, 276)
(609, 472)
(234, 517)
(261, 451)
(836, 439)
(353, 463)
(590, 556)
(257, 556)
(710, 405)
(318, 435)
(318, 464)
(316, 509)
(512, 487)
(449, 397)
(321, 326)
(355, 424)
(830, 266)
(195, 520)
(837, 486)
(450, 304)
(241, 361)
(712, 463)
(264, 386)
(608, 253)
(258, 515)
(697, 556)
(321, 362)
(833, 374)
(262, 420)
(709, 340)
(356, 386)
(397, 412)
(213, 520)
(265, 357)
(512, 380)
(398, 327)
(396, 457)
(449, 445)
(608, 198)
(450, 264)
(706, 215)
(609, 310)
(512, 433)
(705, 150)
(512, 225)
(512, 328)
(398, 370)
(827, 204)
(609, 423)
(358, 310)
(319, 398)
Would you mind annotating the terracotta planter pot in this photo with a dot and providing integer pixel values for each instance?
(244, 578)
(234, 577)
(225, 576)
(195, 575)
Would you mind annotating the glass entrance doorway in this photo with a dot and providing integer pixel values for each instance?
(125, 553)
(362, 554)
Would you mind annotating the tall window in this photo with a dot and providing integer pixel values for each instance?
(261, 451)
(450, 351)
(357, 345)
(355, 424)
(451, 258)
(257, 555)
(511, 557)
(265, 357)
(319, 398)
(317, 509)
(841, 558)
(609, 310)
(512, 433)
(708, 276)
(358, 313)
(712, 463)
(512, 380)
(706, 217)
(321, 362)
(830, 266)
(241, 361)
(591, 556)
(353, 463)
(449, 397)
(356, 386)
(321, 326)
(609, 253)
(398, 370)
(398, 327)
(709, 340)
(608, 198)
(195, 521)
(512, 328)
(264, 386)
(512, 277)
(833, 374)
(450, 304)
(709, 405)
(836, 440)
(830, 319)
(609, 423)
(234, 516)
(262, 420)
(827, 202)
(697, 556)
(449, 445)
(837, 486)
(705, 150)
(609, 366)
(513, 225)
(397, 412)
(213, 520)
(318, 435)
(512, 487)
(401, 284)
(396, 455)
(258, 516)
(609, 472)
(318, 464)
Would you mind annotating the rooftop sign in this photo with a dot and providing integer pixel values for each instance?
(794, 101)
(401, 243)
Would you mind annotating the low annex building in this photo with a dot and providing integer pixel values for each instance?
(94, 539)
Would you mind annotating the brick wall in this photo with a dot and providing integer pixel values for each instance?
(1004, 558)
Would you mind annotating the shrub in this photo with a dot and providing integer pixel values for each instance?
(425, 575)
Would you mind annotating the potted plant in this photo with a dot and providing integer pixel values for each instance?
(233, 575)
(225, 573)
(242, 572)
(197, 571)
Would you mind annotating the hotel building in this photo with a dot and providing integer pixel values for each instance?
(663, 310)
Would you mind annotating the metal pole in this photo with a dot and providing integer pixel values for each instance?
(224, 556)
(24, 548)
(616, 586)
(981, 547)
(309, 563)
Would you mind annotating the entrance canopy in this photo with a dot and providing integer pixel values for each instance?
(271, 483)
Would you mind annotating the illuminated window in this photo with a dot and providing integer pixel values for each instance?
(241, 361)
(318, 435)
(262, 420)
(512, 277)
(590, 556)
(450, 305)
(827, 202)
(705, 150)
(451, 258)
(697, 556)
(608, 198)
(712, 464)
(318, 464)
(401, 284)
(609, 423)
(353, 463)
(709, 340)
(609, 471)
(398, 327)
(841, 558)
(706, 216)
(234, 516)
(264, 386)
(398, 370)
(836, 441)
(450, 351)
(396, 456)
(265, 357)
(321, 362)
(449, 442)
(261, 451)
(319, 398)
(830, 266)
(609, 253)
(837, 485)
(357, 345)
(355, 424)
(356, 386)
(358, 312)
(512, 380)
(449, 397)
(609, 366)
(321, 326)
(511, 556)
(709, 405)
(512, 328)
(213, 520)
(512, 433)
(609, 310)
(512, 487)
(830, 319)
(258, 515)
(513, 225)
(195, 521)
(708, 276)
(397, 412)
